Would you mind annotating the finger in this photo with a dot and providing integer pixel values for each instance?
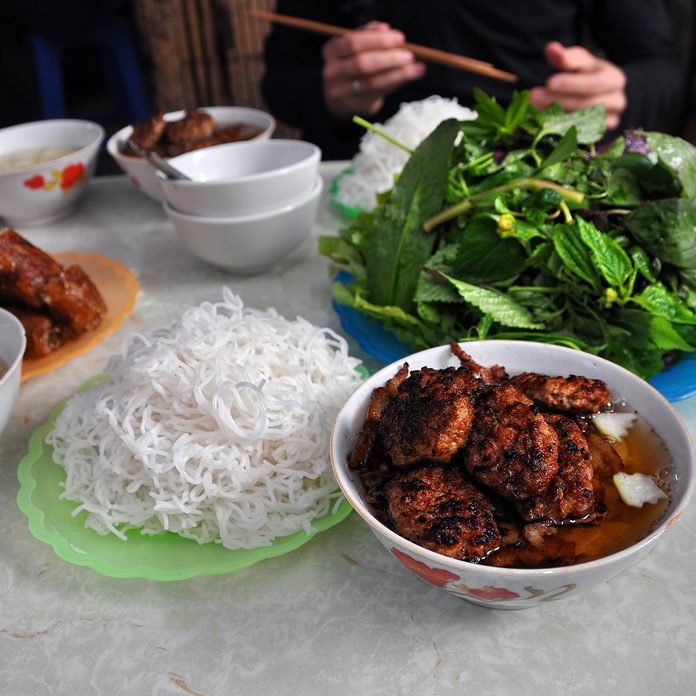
(372, 86)
(362, 40)
(614, 102)
(375, 25)
(569, 59)
(365, 64)
(605, 77)
(387, 81)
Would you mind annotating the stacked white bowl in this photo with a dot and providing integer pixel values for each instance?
(245, 206)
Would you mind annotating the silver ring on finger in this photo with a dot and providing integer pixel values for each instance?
(356, 87)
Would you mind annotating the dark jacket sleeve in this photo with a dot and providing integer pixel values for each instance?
(292, 82)
(639, 37)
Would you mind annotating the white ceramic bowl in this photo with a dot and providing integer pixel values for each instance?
(242, 178)
(251, 243)
(38, 193)
(12, 345)
(512, 588)
(145, 177)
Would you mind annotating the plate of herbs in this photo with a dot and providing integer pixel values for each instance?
(532, 225)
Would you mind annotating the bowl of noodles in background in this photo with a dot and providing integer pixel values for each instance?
(658, 444)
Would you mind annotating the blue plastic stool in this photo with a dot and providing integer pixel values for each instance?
(121, 69)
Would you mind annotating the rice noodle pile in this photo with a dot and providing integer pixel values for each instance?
(216, 429)
(378, 160)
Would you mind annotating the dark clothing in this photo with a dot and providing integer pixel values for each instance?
(634, 34)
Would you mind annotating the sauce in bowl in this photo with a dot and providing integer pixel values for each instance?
(25, 159)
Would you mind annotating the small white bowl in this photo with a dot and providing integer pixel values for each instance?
(516, 588)
(251, 243)
(36, 193)
(12, 344)
(242, 178)
(144, 176)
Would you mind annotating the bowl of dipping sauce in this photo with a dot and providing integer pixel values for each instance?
(509, 488)
(12, 344)
(242, 178)
(170, 137)
(44, 168)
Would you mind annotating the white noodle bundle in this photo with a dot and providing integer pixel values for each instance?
(216, 429)
(379, 161)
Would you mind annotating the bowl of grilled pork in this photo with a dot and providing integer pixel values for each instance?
(511, 473)
(177, 132)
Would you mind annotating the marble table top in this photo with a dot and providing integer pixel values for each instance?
(339, 615)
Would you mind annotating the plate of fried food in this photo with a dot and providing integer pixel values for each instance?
(67, 303)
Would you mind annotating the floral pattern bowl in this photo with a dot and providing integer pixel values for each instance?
(518, 588)
(44, 168)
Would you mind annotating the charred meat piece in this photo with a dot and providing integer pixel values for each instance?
(437, 508)
(490, 375)
(25, 271)
(572, 394)
(366, 438)
(43, 334)
(237, 132)
(511, 449)
(606, 461)
(74, 301)
(539, 547)
(147, 133)
(570, 495)
(179, 148)
(59, 303)
(194, 126)
(429, 418)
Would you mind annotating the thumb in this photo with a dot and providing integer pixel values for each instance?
(568, 59)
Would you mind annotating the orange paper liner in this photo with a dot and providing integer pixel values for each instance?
(119, 288)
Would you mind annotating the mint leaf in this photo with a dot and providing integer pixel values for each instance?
(576, 256)
(502, 308)
(588, 122)
(611, 260)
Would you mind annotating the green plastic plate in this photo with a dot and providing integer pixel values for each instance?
(163, 557)
(333, 191)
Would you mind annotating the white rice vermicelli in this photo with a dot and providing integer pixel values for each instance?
(216, 429)
(378, 161)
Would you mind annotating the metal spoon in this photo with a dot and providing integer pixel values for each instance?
(160, 163)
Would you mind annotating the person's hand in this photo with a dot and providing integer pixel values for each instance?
(583, 80)
(362, 67)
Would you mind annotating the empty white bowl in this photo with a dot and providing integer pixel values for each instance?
(144, 176)
(250, 243)
(242, 178)
(48, 164)
(12, 344)
(519, 588)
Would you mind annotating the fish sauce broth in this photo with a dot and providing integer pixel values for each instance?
(642, 452)
(544, 542)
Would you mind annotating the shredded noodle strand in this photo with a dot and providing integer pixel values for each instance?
(215, 429)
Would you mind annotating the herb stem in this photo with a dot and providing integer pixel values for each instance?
(370, 126)
(532, 184)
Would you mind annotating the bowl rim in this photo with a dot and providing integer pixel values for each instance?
(121, 135)
(312, 156)
(300, 202)
(680, 499)
(11, 368)
(81, 152)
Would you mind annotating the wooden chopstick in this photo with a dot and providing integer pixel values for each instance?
(430, 55)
